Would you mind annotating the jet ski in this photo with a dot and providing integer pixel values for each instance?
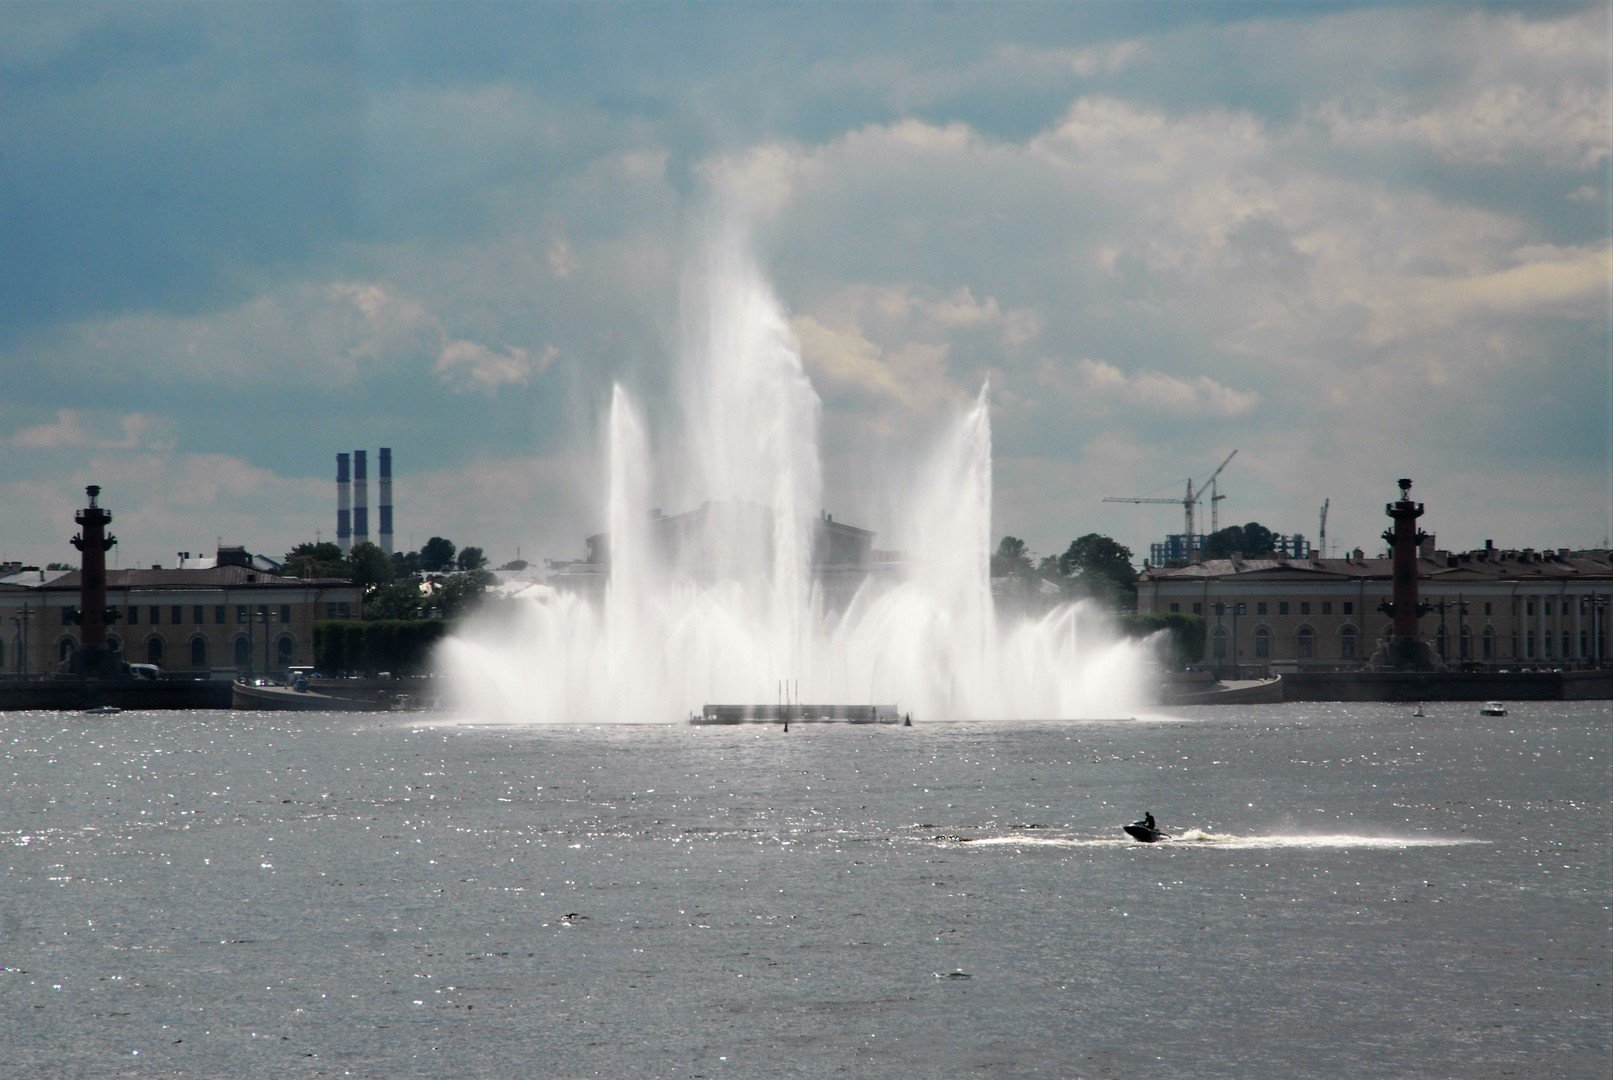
(1143, 832)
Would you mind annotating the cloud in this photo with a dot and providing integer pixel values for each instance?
(1095, 385)
(469, 365)
(73, 429)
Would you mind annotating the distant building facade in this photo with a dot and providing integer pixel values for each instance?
(225, 619)
(1174, 548)
(1489, 608)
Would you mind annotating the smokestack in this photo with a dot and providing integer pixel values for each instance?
(344, 510)
(361, 497)
(386, 499)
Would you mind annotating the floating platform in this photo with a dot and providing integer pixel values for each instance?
(797, 714)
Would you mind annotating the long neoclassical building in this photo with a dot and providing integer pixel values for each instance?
(194, 620)
(1488, 608)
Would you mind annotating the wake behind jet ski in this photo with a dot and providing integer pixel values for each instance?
(1144, 830)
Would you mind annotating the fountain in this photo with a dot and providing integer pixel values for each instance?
(734, 612)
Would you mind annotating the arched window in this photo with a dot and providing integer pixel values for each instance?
(243, 652)
(1305, 643)
(1529, 645)
(1220, 643)
(154, 650)
(283, 648)
(1568, 646)
(65, 647)
(1347, 643)
(1487, 642)
(1262, 643)
(198, 652)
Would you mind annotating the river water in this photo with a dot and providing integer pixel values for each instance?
(1354, 891)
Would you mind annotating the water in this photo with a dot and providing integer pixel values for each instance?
(736, 615)
(234, 894)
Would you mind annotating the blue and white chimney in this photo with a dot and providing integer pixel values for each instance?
(361, 497)
(344, 507)
(386, 499)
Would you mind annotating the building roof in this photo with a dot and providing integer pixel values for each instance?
(212, 577)
(1489, 564)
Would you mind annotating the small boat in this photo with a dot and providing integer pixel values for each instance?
(1143, 832)
(1493, 708)
(103, 710)
(1418, 711)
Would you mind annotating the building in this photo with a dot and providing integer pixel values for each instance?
(1488, 609)
(225, 619)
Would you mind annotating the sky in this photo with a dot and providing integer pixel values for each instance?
(1350, 242)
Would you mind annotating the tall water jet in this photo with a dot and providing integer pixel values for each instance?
(722, 604)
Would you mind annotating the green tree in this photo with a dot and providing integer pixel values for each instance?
(461, 593)
(1012, 559)
(1252, 540)
(515, 564)
(320, 560)
(471, 558)
(396, 599)
(437, 555)
(1100, 567)
(405, 564)
(368, 565)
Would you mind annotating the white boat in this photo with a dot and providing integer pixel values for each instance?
(1493, 708)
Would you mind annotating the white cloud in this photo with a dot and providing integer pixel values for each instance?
(468, 364)
(1095, 385)
(75, 429)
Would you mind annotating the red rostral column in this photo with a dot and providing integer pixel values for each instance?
(94, 542)
(1403, 541)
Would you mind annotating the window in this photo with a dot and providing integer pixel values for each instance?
(1304, 607)
(330, 610)
(1198, 608)
(67, 616)
(1176, 607)
(1262, 644)
(1327, 607)
(1488, 641)
(1282, 607)
(240, 614)
(285, 613)
(342, 608)
(176, 614)
(1545, 607)
(156, 615)
(1349, 607)
(1347, 643)
(198, 614)
(283, 649)
(218, 614)
(1220, 637)
(1487, 610)
(198, 652)
(243, 652)
(1260, 608)
(1529, 645)
(134, 614)
(1305, 641)
(154, 651)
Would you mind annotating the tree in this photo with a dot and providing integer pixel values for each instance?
(398, 599)
(437, 555)
(515, 564)
(368, 565)
(320, 560)
(1012, 559)
(1100, 567)
(471, 558)
(405, 564)
(1251, 540)
(461, 592)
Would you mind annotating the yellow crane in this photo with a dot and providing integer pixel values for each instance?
(1188, 502)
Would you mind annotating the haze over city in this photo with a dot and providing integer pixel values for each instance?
(1352, 242)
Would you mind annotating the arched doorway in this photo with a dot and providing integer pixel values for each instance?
(283, 650)
(154, 650)
(198, 652)
(243, 652)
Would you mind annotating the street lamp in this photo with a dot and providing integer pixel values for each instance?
(21, 621)
(1220, 642)
(263, 613)
(1237, 609)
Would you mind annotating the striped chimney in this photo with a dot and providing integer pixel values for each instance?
(386, 499)
(344, 510)
(361, 497)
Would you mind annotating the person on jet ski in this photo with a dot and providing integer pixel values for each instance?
(1148, 819)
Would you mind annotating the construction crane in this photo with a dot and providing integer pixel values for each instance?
(1323, 529)
(1187, 502)
(1215, 496)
